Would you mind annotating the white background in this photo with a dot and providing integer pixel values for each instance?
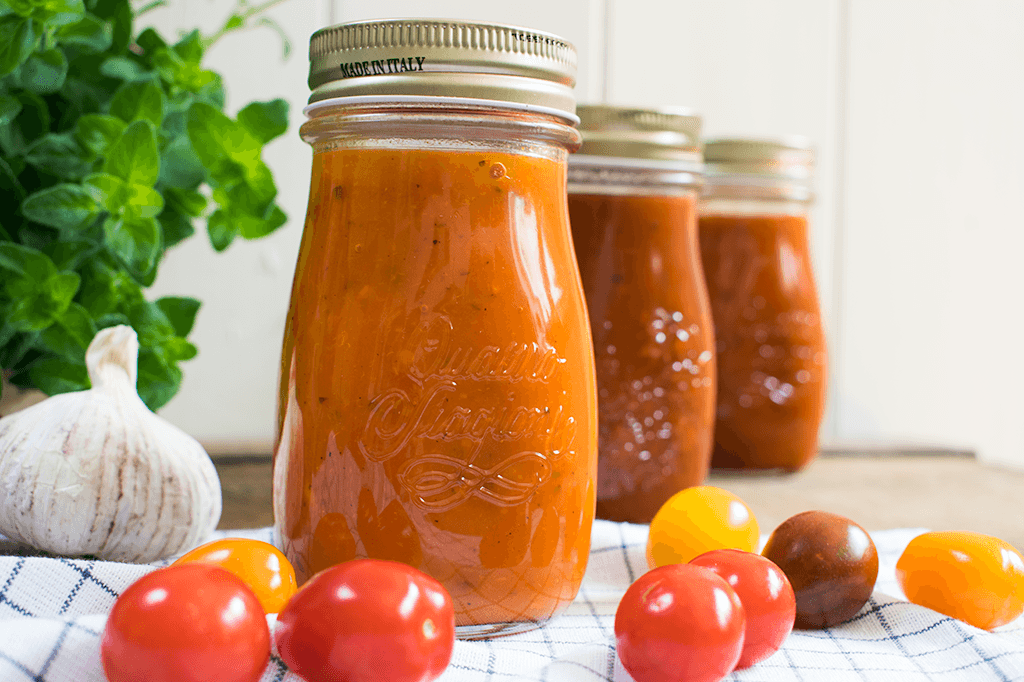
(916, 108)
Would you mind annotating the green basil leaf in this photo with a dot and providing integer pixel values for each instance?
(150, 41)
(135, 241)
(56, 13)
(7, 332)
(104, 9)
(9, 109)
(17, 40)
(13, 191)
(222, 143)
(189, 202)
(59, 154)
(126, 69)
(213, 93)
(190, 47)
(265, 120)
(90, 34)
(180, 166)
(221, 229)
(82, 94)
(66, 207)
(23, 8)
(44, 72)
(159, 380)
(40, 297)
(150, 322)
(35, 236)
(14, 352)
(96, 132)
(134, 157)
(70, 255)
(53, 376)
(22, 260)
(112, 320)
(122, 17)
(139, 100)
(250, 199)
(109, 191)
(180, 311)
(254, 228)
(106, 288)
(145, 201)
(31, 123)
(71, 334)
(181, 73)
(176, 226)
(178, 349)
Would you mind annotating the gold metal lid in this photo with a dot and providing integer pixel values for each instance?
(782, 167)
(396, 59)
(667, 134)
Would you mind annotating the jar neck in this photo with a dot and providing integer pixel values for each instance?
(632, 177)
(414, 125)
(756, 187)
(752, 206)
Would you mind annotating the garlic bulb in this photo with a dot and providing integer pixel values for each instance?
(95, 472)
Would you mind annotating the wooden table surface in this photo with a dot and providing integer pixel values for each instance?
(935, 491)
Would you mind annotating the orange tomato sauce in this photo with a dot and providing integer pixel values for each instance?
(770, 339)
(653, 344)
(437, 396)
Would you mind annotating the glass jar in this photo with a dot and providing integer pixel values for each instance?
(633, 210)
(438, 400)
(770, 337)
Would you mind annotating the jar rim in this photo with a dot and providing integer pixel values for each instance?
(314, 108)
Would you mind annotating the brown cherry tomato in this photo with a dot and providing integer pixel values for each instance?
(831, 562)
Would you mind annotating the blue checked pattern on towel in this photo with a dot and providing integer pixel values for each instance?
(52, 613)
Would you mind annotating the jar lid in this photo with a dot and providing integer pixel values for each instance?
(790, 157)
(443, 58)
(783, 167)
(666, 134)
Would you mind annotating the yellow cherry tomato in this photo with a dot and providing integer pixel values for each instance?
(976, 578)
(698, 520)
(260, 565)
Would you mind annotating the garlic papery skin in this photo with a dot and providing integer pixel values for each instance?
(97, 473)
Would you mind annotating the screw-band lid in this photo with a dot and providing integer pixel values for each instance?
(782, 166)
(443, 58)
(665, 134)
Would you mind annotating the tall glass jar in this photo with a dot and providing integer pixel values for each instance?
(438, 399)
(633, 210)
(770, 337)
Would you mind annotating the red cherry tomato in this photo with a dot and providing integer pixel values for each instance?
(766, 595)
(368, 620)
(187, 623)
(679, 623)
(261, 566)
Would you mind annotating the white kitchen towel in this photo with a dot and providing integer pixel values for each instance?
(52, 613)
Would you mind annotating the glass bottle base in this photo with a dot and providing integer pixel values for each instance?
(487, 630)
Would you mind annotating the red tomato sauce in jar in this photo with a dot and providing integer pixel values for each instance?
(772, 355)
(632, 206)
(438, 399)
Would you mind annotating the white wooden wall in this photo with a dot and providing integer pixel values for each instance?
(914, 106)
